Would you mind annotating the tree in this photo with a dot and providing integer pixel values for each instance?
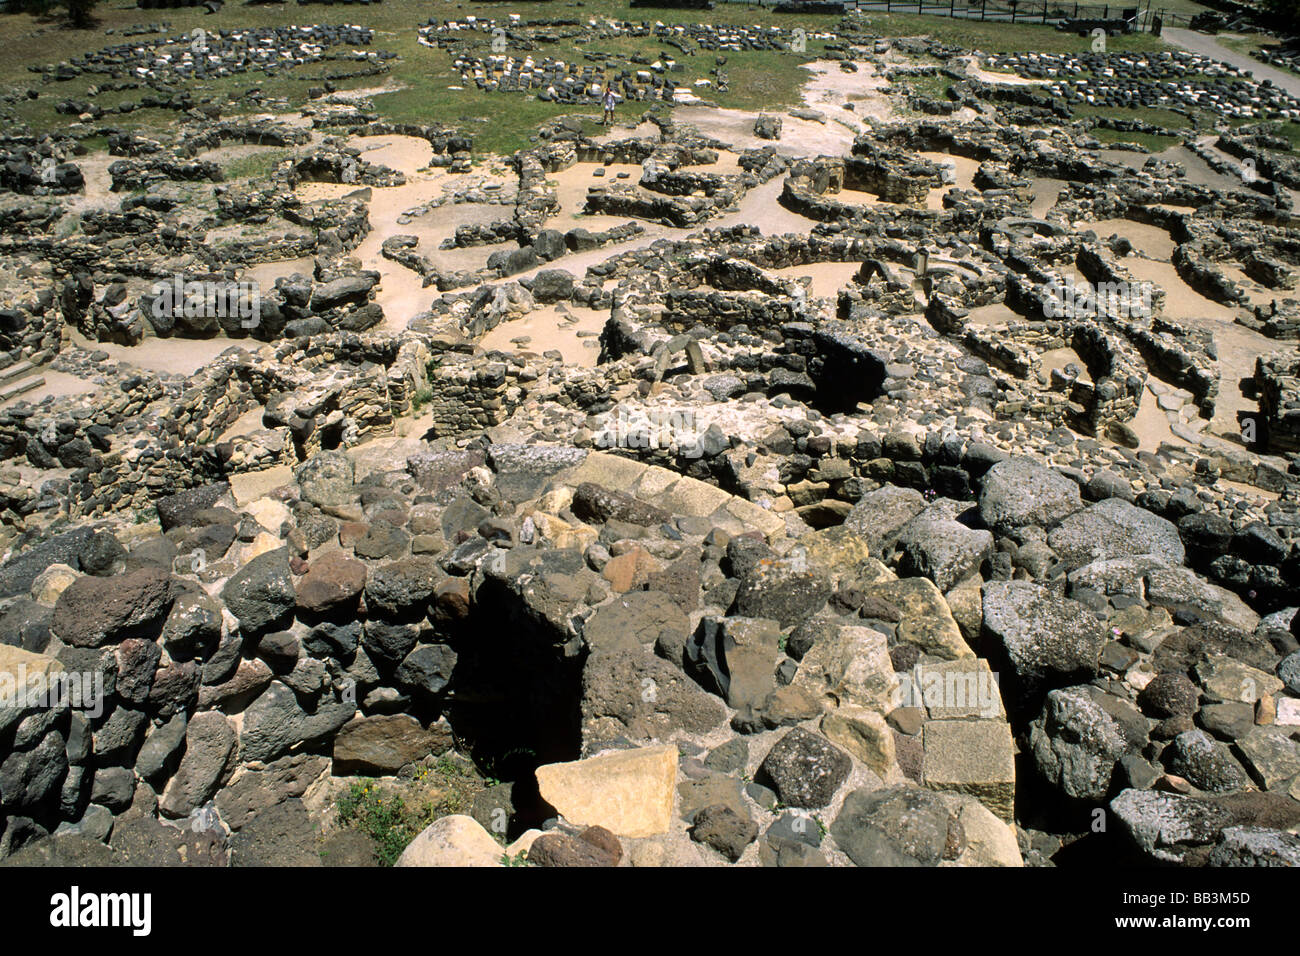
(79, 13)
(1283, 15)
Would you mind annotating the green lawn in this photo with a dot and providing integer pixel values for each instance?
(1152, 142)
(1288, 131)
(990, 37)
(419, 81)
(936, 87)
(255, 165)
(1247, 44)
(1156, 117)
(500, 122)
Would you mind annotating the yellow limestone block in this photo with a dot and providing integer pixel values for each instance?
(629, 792)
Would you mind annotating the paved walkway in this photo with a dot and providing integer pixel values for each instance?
(1205, 44)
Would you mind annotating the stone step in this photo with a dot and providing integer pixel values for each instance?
(19, 387)
(17, 370)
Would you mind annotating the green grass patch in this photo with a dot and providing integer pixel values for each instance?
(1004, 37)
(1152, 142)
(421, 398)
(256, 164)
(500, 122)
(1289, 131)
(392, 813)
(1180, 8)
(384, 817)
(1246, 45)
(1152, 115)
(935, 87)
(418, 86)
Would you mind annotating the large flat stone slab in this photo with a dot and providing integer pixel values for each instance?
(248, 486)
(384, 743)
(1113, 528)
(601, 468)
(628, 792)
(672, 492)
(1271, 757)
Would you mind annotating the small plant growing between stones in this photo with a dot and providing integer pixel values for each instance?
(448, 767)
(519, 859)
(421, 398)
(384, 817)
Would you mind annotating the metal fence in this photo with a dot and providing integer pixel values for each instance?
(1140, 18)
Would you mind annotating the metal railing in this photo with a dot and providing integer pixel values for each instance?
(1141, 18)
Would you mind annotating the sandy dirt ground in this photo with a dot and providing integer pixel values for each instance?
(97, 193)
(799, 137)
(988, 76)
(178, 356)
(1152, 426)
(1237, 345)
(1059, 360)
(760, 208)
(827, 277)
(265, 273)
(57, 385)
(994, 314)
(571, 191)
(1255, 293)
(830, 88)
(646, 130)
(401, 293)
(962, 172)
(1152, 241)
(570, 330)
(1046, 193)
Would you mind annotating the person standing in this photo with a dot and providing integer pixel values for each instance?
(610, 102)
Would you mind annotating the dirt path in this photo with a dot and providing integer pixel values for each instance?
(401, 293)
(799, 137)
(1006, 79)
(175, 355)
(97, 192)
(1209, 46)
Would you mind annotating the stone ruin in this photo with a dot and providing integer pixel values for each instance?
(805, 520)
